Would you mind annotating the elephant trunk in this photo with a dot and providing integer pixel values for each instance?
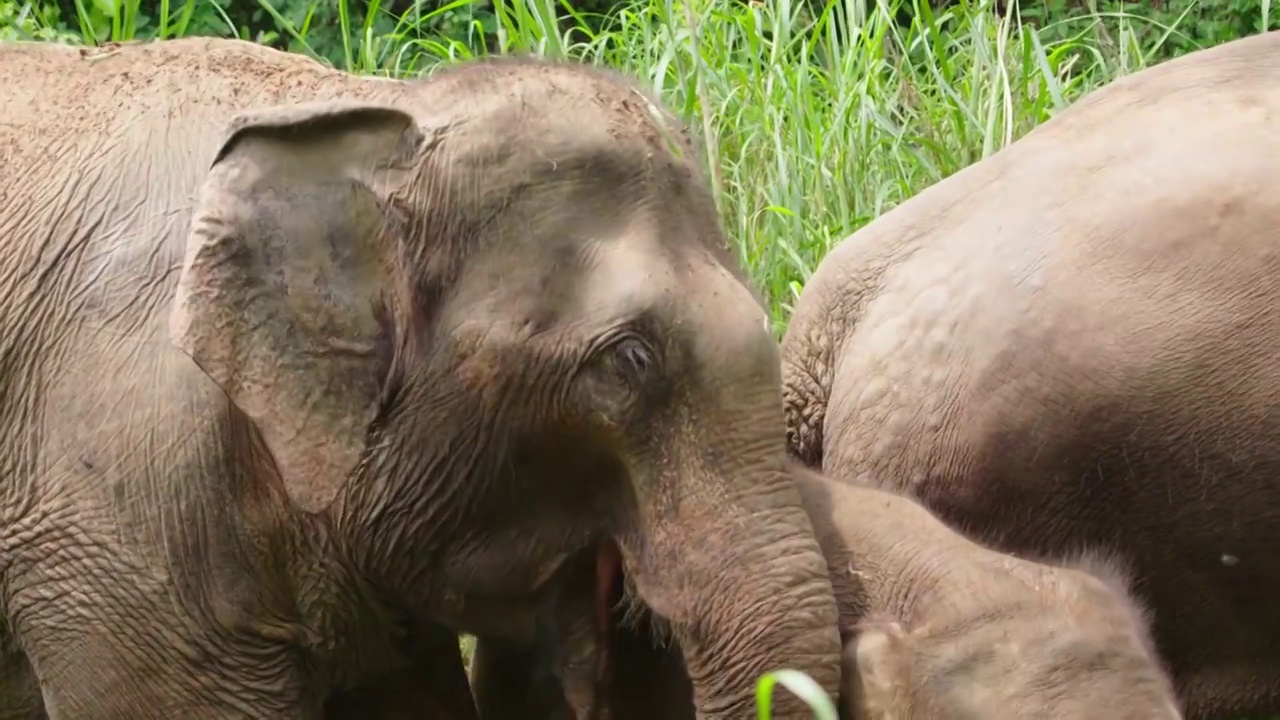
(741, 579)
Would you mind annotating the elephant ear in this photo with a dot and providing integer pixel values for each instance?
(286, 261)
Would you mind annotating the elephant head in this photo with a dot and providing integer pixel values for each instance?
(483, 321)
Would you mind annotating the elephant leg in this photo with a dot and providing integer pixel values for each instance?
(588, 663)
(559, 673)
(97, 678)
(19, 691)
(118, 649)
(648, 680)
(433, 684)
(509, 685)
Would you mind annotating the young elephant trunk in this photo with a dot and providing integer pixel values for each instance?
(741, 580)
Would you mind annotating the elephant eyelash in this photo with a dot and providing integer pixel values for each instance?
(626, 354)
(633, 357)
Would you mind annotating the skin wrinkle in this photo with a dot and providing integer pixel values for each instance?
(944, 628)
(30, 339)
(808, 374)
(1089, 418)
(255, 607)
(53, 670)
(458, 463)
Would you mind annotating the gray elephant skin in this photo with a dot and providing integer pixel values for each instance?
(303, 373)
(1075, 344)
(935, 626)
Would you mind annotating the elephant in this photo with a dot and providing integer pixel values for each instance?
(1073, 344)
(935, 626)
(377, 356)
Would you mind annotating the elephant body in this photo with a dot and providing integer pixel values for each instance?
(1073, 346)
(303, 373)
(935, 627)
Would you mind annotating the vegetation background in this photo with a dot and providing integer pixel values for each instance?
(815, 116)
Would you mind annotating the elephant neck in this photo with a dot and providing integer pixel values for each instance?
(351, 631)
(283, 579)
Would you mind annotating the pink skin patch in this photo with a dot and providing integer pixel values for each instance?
(608, 585)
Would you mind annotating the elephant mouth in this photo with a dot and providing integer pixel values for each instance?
(608, 594)
(585, 669)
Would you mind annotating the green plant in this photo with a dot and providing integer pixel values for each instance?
(803, 686)
(1159, 29)
(32, 22)
(814, 116)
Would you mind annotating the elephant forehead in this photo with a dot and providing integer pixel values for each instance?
(638, 266)
(541, 102)
(733, 331)
(716, 292)
(627, 273)
(697, 296)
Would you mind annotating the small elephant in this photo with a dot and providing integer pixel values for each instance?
(935, 627)
(1075, 343)
(304, 373)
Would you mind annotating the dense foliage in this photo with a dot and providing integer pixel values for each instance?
(815, 118)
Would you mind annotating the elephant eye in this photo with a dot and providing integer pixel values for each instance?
(632, 358)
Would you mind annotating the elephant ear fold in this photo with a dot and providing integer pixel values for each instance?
(287, 259)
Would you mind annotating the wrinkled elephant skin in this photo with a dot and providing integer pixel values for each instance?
(1075, 345)
(936, 627)
(303, 372)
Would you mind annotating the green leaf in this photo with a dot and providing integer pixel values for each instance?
(800, 685)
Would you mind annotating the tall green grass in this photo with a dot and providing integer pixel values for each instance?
(812, 120)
